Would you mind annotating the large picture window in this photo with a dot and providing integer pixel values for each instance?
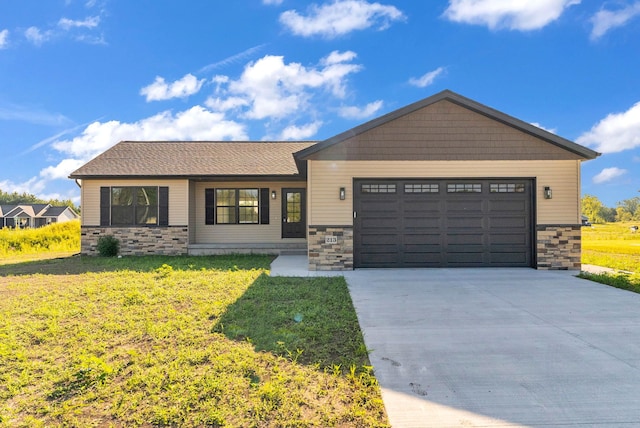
(134, 206)
(237, 206)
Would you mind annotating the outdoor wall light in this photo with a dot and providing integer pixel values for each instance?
(547, 192)
(273, 194)
(343, 193)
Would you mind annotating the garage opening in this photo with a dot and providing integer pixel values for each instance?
(443, 223)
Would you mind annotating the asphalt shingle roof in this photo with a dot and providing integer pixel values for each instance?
(194, 158)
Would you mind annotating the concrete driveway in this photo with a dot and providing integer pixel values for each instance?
(500, 347)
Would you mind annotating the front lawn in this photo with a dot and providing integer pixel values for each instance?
(183, 341)
(616, 246)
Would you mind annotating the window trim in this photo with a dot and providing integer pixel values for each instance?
(211, 206)
(161, 206)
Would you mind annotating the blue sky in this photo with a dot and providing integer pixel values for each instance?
(77, 76)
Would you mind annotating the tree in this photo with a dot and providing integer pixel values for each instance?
(629, 209)
(16, 198)
(595, 210)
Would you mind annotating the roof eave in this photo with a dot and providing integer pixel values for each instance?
(197, 177)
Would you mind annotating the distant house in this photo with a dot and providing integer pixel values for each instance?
(443, 182)
(34, 215)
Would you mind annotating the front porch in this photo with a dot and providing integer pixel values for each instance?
(276, 248)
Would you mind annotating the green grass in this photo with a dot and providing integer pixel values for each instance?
(57, 238)
(183, 341)
(613, 245)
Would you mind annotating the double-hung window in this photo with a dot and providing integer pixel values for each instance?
(237, 206)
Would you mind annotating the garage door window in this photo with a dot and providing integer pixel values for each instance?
(464, 188)
(421, 188)
(378, 188)
(506, 188)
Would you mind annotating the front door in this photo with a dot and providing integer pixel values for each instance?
(294, 223)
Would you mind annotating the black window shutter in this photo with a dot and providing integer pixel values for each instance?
(264, 206)
(209, 206)
(163, 206)
(105, 206)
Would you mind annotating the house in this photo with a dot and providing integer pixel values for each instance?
(34, 215)
(443, 182)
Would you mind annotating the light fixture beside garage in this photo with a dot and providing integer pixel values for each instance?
(273, 194)
(547, 192)
(343, 193)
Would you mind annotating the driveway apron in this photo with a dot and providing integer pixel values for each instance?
(500, 347)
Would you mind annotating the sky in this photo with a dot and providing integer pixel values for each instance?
(78, 76)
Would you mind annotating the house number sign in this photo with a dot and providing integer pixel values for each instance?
(330, 239)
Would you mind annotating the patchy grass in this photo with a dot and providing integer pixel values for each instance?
(611, 245)
(184, 341)
(624, 281)
(57, 238)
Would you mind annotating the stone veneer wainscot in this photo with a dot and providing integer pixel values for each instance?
(330, 256)
(138, 241)
(559, 247)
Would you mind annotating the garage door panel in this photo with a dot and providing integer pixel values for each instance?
(515, 206)
(380, 239)
(508, 258)
(465, 258)
(444, 223)
(381, 260)
(380, 223)
(422, 238)
(468, 222)
(382, 249)
(425, 222)
(508, 239)
(471, 205)
(501, 223)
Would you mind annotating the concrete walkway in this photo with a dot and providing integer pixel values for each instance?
(500, 347)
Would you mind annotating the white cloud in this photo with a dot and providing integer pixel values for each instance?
(605, 20)
(427, 78)
(271, 88)
(61, 170)
(197, 123)
(354, 112)
(32, 186)
(552, 130)
(89, 22)
(615, 133)
(521, 15)
(225, 104)
(340, 17)
(608, 174)
(37, 37)
(294, 132)
(160, 90)
(4, 38)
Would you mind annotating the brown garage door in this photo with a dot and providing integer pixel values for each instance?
(443, 223)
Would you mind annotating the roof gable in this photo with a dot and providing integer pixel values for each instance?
(446, 126)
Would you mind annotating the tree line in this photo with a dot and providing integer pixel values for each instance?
(597, 212)
(16, 198)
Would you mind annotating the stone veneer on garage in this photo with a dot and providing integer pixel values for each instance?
(138, 241)
(330, 256)
(559, 247)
